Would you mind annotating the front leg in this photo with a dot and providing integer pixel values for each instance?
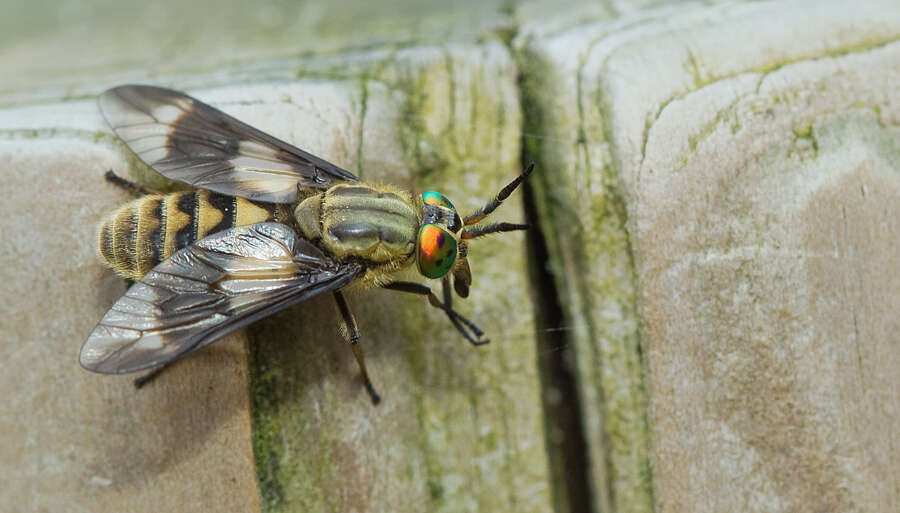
(468, 329)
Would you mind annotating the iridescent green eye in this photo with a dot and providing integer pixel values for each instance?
(437, 251)
(437, 199)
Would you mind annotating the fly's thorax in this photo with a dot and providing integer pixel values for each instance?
(374, 223)
(308, 216)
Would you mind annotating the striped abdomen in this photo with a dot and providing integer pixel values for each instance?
(374, 223)
(148, 230)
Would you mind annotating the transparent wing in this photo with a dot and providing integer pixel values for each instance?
(205, 291)
(186, 140)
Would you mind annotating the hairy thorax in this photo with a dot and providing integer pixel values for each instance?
(374, 223)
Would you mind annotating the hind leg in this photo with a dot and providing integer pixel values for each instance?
(150, 376)
(128, 185)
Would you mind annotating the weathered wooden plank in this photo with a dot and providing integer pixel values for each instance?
(727, 193)
(717, 192)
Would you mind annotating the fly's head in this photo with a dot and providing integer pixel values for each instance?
(442, 243)
(439, 243)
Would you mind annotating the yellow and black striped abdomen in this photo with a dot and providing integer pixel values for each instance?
(150, 229)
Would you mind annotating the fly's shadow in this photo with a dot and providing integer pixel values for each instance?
(173, 419)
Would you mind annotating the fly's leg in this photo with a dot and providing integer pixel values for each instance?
(457, 319)
(128, 185)
(468, 329)
(150, 376)
(352, 333)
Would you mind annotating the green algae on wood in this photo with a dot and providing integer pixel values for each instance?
(459, 427)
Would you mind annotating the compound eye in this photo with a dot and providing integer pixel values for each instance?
(437, 199)
(437, 251)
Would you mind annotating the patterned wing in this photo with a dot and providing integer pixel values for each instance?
(207, 290)
(186, 140)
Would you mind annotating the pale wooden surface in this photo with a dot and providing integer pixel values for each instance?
(717, 183)
(748, 157)
(76, 441)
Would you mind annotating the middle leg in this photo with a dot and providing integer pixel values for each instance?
(352, 333)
